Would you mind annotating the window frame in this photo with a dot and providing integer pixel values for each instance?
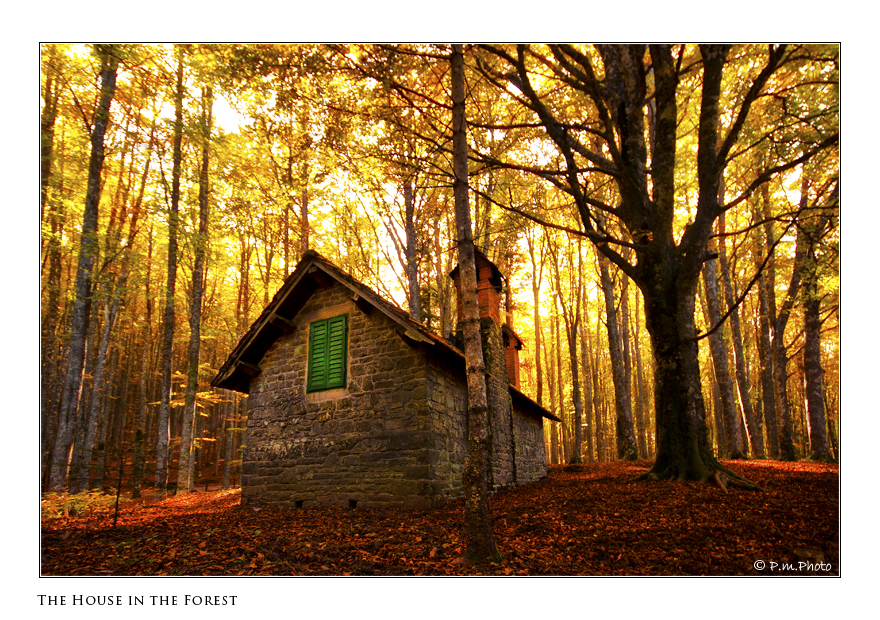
(326, 336)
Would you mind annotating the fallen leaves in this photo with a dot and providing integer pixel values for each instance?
(582, 520)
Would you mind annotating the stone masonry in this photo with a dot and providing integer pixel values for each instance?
(394, 435)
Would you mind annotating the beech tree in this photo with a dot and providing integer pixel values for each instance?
(185, 471)
(626, 440)
(475, 477)
(639, 150)
(628, 101)
(163, 429)
(88, 251)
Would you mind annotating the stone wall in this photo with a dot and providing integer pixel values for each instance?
(395, 435)
(447, 400)
(503, 467)
(371, 442)
(531, 458)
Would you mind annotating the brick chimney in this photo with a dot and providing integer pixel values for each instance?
(490, 286)
(512, 346)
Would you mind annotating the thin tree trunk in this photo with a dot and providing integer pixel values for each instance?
(640, 388)
(638, 427)
(575, 393)
(88, 251)
(48, 114)
(767, 302)
(480, 541)
(138, 455)
(566, 432)
(185, 469)
(626, 440)
(732, 448)
(780, 352)
(412, 270)
(288, 178)
(551, 385)
(537, 272)
(82, 464)
(588, 393)
(601, 443)
(765, 358)
(304, 196)
(814, 390)
(50, 359)
(163, 422)
(571, 316)
(756, 437)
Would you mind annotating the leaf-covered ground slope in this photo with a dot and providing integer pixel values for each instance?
(581, 520)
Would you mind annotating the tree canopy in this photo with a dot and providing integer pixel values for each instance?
(590, 167)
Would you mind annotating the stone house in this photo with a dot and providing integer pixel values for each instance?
(352, 403)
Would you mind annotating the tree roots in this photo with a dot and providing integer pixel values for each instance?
(722, 477)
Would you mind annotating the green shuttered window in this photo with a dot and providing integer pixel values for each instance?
(328, 340)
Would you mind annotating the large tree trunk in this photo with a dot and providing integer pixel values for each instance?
(164, 421)
(88, 251)
(668, 275)
(641, 159)
(480, 541)
(683, 450)
(185, 470)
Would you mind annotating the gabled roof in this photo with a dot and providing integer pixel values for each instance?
(310, 273)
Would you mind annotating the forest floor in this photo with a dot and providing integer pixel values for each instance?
(581, 520)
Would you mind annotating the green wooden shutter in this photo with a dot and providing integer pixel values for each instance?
(336, 351)
(328, 353)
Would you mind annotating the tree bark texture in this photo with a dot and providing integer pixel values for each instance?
(732, 447)
(780, 349)
(536, 289)
(627, 449)
(809, 233)
(412, 270)
(164, 421)
(185, 480)
(756, 437)
(480, 541)
(88, 252)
